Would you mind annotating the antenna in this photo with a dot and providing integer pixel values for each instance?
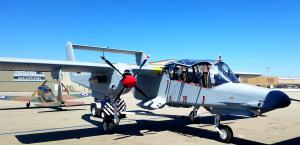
(268, 69)
(220, 58)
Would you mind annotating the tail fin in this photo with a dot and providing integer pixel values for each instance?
(140, 57)
(70, 52)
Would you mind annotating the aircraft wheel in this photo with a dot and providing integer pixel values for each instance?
(226, 135)
(27, 105)
(93, 111)
(108, 125)
(194, 118)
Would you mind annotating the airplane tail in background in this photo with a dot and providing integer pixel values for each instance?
(139, 55)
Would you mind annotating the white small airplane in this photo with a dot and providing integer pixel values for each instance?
(185, 83)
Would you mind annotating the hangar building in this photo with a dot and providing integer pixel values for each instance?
(26, 81)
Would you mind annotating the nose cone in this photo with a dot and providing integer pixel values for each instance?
(274, 100)
(129, 81)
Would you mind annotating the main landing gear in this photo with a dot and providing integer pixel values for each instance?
(225, 132)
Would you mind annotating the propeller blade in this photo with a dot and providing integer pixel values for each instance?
(110, 64)
(44, 83)
(120, 93)
(143, 63)
(139, 90)
(34, 92)
(64, 87)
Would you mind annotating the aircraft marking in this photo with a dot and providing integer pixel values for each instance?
(3, 97)
(203, 99)
(85, 94)
(157, 70)
(184, 99)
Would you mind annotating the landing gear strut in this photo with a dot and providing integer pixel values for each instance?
(193, 117)
(224, 131)
(27, 105)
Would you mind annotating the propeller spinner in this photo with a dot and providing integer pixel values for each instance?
(128, 79)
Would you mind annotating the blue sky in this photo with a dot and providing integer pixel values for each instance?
(249, 34)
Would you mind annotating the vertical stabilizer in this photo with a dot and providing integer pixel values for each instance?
(70, 52)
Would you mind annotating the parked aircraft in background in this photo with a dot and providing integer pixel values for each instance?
(45, 98)
(185, 83)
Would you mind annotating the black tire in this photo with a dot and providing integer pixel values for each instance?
(228, 134)
(123, 116)
(27, 105)
(193, 118)
(94, 110)
(108, 126)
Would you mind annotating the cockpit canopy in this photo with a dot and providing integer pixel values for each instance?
(207, 73)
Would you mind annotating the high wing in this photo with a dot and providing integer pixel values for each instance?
(19, 98)
(148, 71)
(21, 64)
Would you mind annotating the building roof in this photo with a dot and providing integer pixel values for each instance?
(247, 73)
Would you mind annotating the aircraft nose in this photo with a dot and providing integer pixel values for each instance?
(274, 100)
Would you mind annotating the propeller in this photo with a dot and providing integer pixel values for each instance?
(110, 64)
(64, 86)
(128, 80)
(143, 63)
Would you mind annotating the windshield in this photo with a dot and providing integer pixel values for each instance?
(205, 74)
(226, 72)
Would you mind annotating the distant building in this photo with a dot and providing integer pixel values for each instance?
(263, 81)
(289, 82)
(26, 81)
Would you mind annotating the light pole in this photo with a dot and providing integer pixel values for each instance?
(267, 70)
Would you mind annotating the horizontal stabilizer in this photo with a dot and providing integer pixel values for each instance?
(139, 55)
(106, 49)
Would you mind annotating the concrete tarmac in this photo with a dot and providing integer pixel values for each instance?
(167, 126)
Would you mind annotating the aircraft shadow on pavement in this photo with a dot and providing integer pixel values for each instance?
(178, 125)
(60, 110)
(53, 109)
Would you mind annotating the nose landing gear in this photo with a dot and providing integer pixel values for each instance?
(111, 112)
(225, 132)
(193, 117)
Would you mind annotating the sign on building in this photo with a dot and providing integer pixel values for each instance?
(30, 76)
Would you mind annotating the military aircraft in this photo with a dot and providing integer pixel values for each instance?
(44, 97)
(185, 83)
